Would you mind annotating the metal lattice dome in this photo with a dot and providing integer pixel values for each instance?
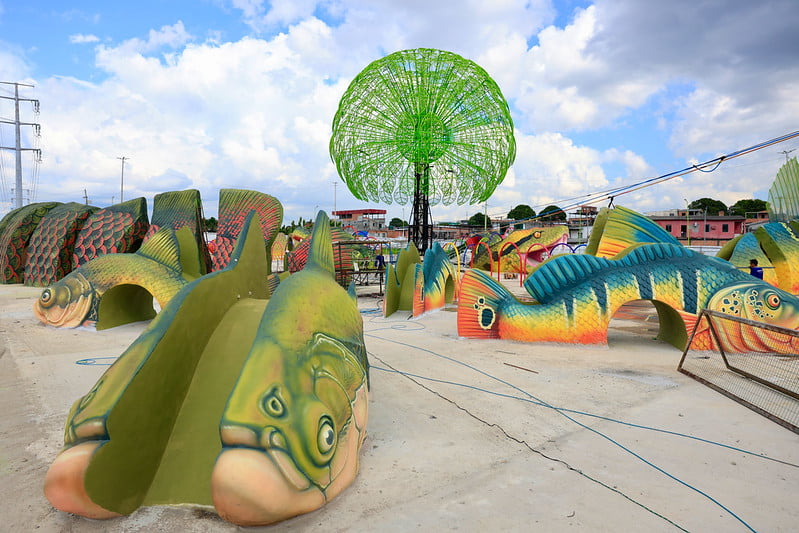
(423, 112)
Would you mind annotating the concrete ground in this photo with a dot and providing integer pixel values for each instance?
(463, 435)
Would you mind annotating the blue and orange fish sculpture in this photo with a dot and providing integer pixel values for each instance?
(577, 295)
(435, 281)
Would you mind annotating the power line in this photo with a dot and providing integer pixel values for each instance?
(708, 166)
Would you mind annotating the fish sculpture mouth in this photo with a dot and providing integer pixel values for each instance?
(65, 304)
(256, 481)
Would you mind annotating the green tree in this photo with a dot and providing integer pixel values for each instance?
(479, 219)
(742, 207)
(397, 223)
(709, 205)
(521, 212)
(210, 224)
(552, 213)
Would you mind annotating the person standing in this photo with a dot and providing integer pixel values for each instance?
(755, 270)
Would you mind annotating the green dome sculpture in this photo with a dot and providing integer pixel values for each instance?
(423, 113)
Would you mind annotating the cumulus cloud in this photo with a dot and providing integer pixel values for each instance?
(171, 36)
(256, 112)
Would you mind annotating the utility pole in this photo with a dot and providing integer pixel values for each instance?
(85, 197)
(122, 180)
(335, 185)
(786, 152)
(17, 148)
(688, 221)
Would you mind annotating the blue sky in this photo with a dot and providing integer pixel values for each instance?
(210, 94)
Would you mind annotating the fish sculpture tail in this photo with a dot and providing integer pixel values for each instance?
(418, 291)
(480, 295)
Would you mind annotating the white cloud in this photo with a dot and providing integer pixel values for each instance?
(172, 36)
(81, 38)
(256, 112)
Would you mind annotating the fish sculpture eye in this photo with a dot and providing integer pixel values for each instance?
(46, 298)
(273, 405)
(326, 437)
(773, 301)
(537, 235)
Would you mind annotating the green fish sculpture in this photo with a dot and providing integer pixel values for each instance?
(116, 289)
(254, 405)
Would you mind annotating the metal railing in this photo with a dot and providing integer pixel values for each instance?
(764, 381)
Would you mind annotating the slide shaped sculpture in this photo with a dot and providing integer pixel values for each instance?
(775, 245)
(742, 249)
(117, 229)
(780, 242)
(538, 241)
(16, 230)
(178, 209)
(577, 295)
(255, 406)
(51, 246)
(116, 289)
(401, 281)
(435, 281)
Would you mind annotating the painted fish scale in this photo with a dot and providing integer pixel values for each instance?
(578, 295)
(15, 238)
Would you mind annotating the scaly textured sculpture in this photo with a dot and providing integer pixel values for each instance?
(234, 205)
(577, 296)
(52, 244)
(16, 230)
(116, 289)
(616, 229)
(256, 406)
(117, 229)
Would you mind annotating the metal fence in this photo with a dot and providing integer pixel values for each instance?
(767, 383)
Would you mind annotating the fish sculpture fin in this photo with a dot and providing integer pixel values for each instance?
(620, 228)
(164, 248)
(561, 273)
(480, 299)
(272, 281)
(417, 306)
(556, 275)
(321, 252)
(189, 253)
(351, 291)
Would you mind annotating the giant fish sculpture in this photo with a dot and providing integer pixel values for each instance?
(577, 295)
(254, 405)
(534, 244)
(125, 283)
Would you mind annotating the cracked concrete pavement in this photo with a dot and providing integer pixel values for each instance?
(462, 434)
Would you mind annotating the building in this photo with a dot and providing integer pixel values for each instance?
(697, 226)
(581, 222)
(372, 221)
(756, 219)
